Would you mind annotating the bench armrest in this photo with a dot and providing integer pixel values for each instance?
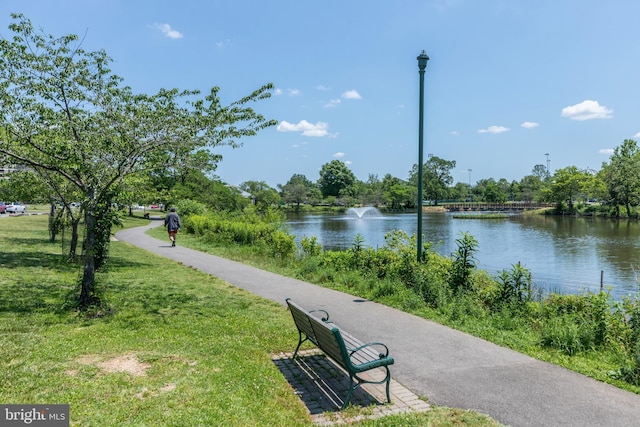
(371, 344)
(325, 317)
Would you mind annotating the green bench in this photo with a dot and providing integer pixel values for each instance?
(351, 354)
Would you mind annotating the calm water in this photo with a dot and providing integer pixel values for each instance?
(564, 254)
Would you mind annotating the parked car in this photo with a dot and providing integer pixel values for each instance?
(15, 208)
(3, 207)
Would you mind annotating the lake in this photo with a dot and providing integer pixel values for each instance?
(564, 254)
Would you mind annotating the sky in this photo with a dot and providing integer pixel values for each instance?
(510, 84)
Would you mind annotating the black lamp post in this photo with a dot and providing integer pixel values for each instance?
(422, 64)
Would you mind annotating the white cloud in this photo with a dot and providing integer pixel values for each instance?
(637, 135)
(307, 129)
(168, 31)
(493, 129)
(278, 91)
(347, 162)
(455, 133)
(223, 43)
(530, 125)
(607, 151)
(339, 154)
(351, 94)
(322, 87)
(332, 103)
(293, 92)
(587, 110)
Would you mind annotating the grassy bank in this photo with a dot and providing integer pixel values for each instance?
(171, 347)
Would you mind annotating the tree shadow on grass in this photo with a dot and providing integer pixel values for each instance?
(41, 292)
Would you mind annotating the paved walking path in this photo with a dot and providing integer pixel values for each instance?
(448, 367)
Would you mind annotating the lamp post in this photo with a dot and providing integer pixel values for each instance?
(547, 154)
(422, 64)
(469, 170)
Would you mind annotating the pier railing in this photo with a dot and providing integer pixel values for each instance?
(496, 207)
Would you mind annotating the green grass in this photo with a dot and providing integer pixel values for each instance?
(203, 347)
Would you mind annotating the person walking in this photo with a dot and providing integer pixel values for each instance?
(172, 222)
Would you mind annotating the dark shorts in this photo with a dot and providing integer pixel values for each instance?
(173, 232)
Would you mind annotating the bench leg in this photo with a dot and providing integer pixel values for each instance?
(352, 387)
(300, 341)
(354, 384)
(388, 378)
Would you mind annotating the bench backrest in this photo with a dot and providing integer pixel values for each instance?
(301, 319)
(329, 339)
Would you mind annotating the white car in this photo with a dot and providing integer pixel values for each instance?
(15, 208)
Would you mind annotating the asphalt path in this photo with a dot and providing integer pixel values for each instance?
(448, 367)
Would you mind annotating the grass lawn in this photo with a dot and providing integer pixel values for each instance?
(172, 346)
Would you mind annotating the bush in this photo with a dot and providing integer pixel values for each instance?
(310, 246)
(188, 207)
(568, 333)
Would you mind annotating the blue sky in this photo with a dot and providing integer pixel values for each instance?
(508, 81)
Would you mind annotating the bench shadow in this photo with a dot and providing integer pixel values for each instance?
(321, 384)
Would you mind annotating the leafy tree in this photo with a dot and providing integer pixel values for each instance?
(263, 195)
(396, 193)
(297, 190)
(494, 192)
(622, 175)
(530, 186)
(541, 172)
(64, 112)
(460, 191)
(436, 177)
(334, 177)
(567, 183)
(372, 191)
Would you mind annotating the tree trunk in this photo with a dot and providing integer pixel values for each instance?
(73, 245)
(88, 277)
(53, 226)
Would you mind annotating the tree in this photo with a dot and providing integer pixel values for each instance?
(263, 195)
(436, 177)
(335, 176)
(567, 183)
(541, 172)
(622, 175)
(529, 187)
(372, 191)
(64, 112)
(493, 192)
(396, 193)
(297, 190)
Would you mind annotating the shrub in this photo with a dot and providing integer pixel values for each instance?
(463, 262)
(310, 246)
(514, 286)
(281, 244)
(190, 207)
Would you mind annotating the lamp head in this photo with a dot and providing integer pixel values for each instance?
(422, 60)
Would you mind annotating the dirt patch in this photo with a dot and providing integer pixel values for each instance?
(127, 363)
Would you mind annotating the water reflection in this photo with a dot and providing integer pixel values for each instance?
(564, 254)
